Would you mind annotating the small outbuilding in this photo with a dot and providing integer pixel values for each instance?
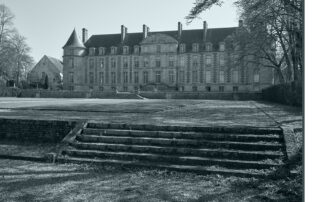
(47, 74)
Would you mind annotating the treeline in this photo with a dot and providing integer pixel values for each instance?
(15, 59)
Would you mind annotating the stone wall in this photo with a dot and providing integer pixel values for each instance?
(34, 130)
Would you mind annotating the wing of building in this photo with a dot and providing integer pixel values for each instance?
(183, 60)
(46, 67)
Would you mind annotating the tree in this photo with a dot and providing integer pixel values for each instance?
(15, 59)
(274, 33)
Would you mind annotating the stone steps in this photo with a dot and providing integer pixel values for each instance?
(180, 142)
(173, 159)
(240, 151)
(184, 135)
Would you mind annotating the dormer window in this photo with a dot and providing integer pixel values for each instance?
(92, 51)
(221, 46)
(208, 47)
(136, 49)
(125, 49)
(113, 50)
(195, 47)
(101, 51)
(182, 48)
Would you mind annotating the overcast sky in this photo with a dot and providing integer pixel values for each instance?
(47, 24)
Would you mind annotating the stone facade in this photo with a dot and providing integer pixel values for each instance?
(181, 60)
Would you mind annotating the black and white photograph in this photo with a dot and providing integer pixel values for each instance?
(151, 101)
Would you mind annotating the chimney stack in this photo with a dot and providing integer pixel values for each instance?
(240, 23)
(84, 35)
(145, 30)
(123, 32)
(205, 29)
(179, 30)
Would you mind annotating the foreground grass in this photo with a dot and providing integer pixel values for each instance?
(28, 181)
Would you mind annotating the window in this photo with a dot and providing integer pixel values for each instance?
(195, 47)
(182, 48)
(222, 60)
(235, 88)
(208, 60)
(101, 51)
(91, 77)
(158, 76)
(221, 88)
(125, 50)
(145, 62)
(181, 77)
(194, 88)
(113, 50)
(71, 63)
(71, 88)
(100, 88)
(136, 62)
(113, 77)
(194, 76)
(136, 77)
(101, 62)
(113, 62)
(221, 46)
(92, 51)
(125, 62)
(208, 88)
(195, 61)
(235, 76)
(158, 48)
(208, 76)
(136, 49)
(101, 78)
(208, 47)
(182, 61)
(125, 88)
(171, 77)
(145, 77)
(71, 79)
(256, 76)
(221, 77)
(125, 77)
(158, 62)
(91, 63)
(171, 61)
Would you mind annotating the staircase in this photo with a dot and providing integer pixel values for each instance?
(237, 151)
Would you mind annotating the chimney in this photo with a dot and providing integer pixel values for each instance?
(84, 35)
(205, 28)
(123, 32)
(145, 30)
(240, 23)
(179, 30)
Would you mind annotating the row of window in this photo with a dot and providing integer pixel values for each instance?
(136, 49)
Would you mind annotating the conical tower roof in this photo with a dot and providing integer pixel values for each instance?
(74, 41)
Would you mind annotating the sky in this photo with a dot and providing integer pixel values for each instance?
(47, 24)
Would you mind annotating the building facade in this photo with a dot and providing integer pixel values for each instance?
(46, 73)
(181, 60)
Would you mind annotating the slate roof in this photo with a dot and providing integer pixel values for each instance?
(57, 63)
(74, 41)
(188, 37)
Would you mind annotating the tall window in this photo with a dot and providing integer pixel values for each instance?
(113, 62)
(101, 62)
(113, 77)
(158, 49)
(71, 63)
(91, 77)
(208, 60)
(222, 60)
(125, 62)
(158, 76)
(235, 76)
(221, 77)
(136, 62)
(145, 62)
(145, 77)
(182, 48)
(101, 51)
(171, 61)
(71, 78)
(113, 50)
(195, 61)
(91, 63)
(125, 49)
(136, 77)
(171, 77)
(256, 76)
(101, 78)
(158, 62)
(208, 47)
(125, 77)
(194, 76)
(182, 61)
(136, 49)
(208, 76)
(181, 76)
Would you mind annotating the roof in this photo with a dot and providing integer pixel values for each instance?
(214, 36)
(74, 41)
(57, 63)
